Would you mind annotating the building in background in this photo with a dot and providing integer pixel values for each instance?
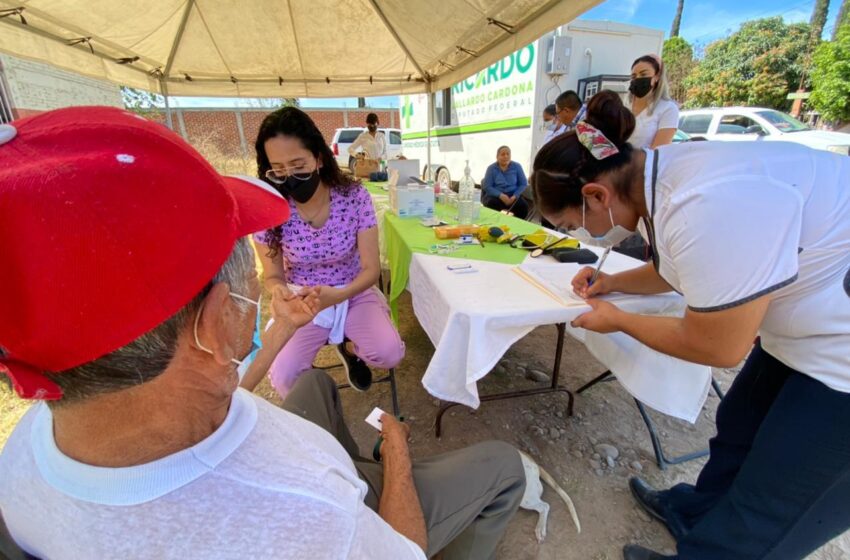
(28, 88)
(503, 103)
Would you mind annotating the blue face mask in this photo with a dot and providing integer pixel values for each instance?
(243, 364)
(256, 344)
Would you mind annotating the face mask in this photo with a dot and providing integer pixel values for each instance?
(299, 188)
(372, 128)
(241, 365)
(640, 87)
(550, 125)
(614, 236)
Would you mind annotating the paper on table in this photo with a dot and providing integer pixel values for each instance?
(555, 279)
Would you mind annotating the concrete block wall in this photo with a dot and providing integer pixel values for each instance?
(219, 129)
(35, 87)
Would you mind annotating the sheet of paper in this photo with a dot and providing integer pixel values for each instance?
(374, 418)
(554, 278)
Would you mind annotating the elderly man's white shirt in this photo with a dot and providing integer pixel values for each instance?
(266, 484)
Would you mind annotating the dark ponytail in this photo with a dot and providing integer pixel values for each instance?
(564, 165)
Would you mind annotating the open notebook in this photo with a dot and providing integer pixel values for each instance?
(554, 279)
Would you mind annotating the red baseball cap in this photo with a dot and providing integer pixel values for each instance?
(109, 224)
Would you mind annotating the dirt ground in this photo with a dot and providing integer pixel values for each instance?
(539, 425)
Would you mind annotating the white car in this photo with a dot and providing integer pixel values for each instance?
(756, 123)
(345, 137)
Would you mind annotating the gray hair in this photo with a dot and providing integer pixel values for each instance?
(148, 356)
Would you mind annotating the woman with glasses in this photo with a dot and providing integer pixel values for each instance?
(331, 243)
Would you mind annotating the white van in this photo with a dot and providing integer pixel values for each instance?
(757, 123)
(345, 137)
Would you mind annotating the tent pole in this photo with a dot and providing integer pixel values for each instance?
(164, 89)
(430, 176)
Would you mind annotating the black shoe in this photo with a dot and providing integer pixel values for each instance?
(635, 552)
(358, 373)
(649, 499)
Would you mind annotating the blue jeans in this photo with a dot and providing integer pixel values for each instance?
(777, 483)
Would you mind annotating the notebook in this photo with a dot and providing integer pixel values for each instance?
(554, 279)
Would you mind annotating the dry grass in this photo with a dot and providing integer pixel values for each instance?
(11, 410)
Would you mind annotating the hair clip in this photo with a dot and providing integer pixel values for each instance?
(595, 141)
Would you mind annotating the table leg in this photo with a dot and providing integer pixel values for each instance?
(553, 388)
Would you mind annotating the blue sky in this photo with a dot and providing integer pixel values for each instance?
(703, 21)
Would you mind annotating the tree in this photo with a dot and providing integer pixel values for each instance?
(677, 21)
(757, 65)
(140, 101)
(831, 76)
(678, 57)
(818, 20)
(843, 13)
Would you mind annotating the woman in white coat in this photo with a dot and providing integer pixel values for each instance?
(756, 237)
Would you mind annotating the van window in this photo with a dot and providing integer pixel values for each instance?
(395, 137)
(695, 124)
(348, 136)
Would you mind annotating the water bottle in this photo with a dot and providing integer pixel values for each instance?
(465, 196)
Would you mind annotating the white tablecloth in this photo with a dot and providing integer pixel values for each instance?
(473, 319)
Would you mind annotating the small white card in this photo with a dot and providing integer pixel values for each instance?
(374, 418)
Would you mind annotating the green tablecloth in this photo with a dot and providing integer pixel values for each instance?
(404, 236)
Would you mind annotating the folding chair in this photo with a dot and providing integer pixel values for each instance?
(390, 377)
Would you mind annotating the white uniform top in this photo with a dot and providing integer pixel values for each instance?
(737, 220)
(665, 114)
(374, 146)
(265, 484)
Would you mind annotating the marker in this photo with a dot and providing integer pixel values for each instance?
(599, 267)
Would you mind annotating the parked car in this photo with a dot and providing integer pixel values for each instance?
(756, 123)
(345, 137)
(680, 136)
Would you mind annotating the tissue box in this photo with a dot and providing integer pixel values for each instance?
(408, 202)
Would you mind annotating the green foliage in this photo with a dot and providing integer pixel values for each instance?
(141, 101)
(842, 17)
(757, 65)
(678, 57)
(831, 77)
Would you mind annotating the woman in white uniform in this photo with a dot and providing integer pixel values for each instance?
(756, 237)
(656, 115)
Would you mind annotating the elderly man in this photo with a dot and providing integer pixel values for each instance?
(128, 301)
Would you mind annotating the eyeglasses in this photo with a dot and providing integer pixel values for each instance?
(278, 175)
(255, 303)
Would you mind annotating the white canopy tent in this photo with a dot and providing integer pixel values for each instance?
(278, 48)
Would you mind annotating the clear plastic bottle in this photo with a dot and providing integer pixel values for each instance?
(465, 196)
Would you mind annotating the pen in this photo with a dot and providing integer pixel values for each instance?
(599, 267)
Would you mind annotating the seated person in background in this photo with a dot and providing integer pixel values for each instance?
(570, 110)
(147, 448)
(330, 242)
(503, 185)
(553, 127)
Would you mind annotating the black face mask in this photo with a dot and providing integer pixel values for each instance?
(640, 87)
(301, 190)
(372, 128)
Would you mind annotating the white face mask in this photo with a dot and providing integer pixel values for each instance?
(550, 125)
(243, 364)
(614, 236)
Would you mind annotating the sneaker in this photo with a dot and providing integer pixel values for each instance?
(358, 373)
